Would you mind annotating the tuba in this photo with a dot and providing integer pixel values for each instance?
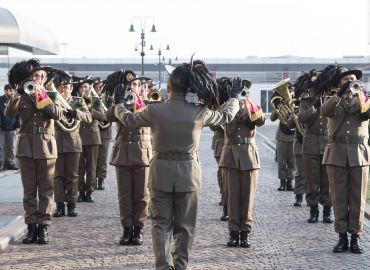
(93, 95)
(284, 105)
(66, 124)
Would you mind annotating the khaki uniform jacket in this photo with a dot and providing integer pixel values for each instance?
(281, 136)
(90, 132)
(130, 153)
(339, 154)
(176, 126)
(106, 134)
(217, 140)
(240, 156)
(29, 144)
(70, 142)
(315, 137)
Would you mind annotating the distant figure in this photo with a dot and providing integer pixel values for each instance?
(7, 132)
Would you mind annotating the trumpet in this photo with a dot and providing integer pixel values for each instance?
(29, 87)
(155, 95)
(92, 94)
(355, 87)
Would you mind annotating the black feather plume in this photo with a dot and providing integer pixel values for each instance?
(325, 81)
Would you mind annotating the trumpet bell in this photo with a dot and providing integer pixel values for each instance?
(29, 87)
(356, 86)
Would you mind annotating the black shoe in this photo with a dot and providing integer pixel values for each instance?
(282, 185)
(245, 239)
(100, 184)
(2, 167)
(171, 268)
(81, 197)
(233, 239)
(219, 203)
(138, 236)
(289, 185)
(326, 215)
(225, 216)
(126, 239)
(314, 214)
(60, 211)
(342, 244)
(71, 209)
(355, 246)
(31, 236)
(11, 167)
(89, 197)
(298, 199)
(42, 235)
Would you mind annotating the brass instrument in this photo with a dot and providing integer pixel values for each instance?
(93, 95)
(355, 87)
(285, 107)
(66, 124)
(155, 95)
(29, 87)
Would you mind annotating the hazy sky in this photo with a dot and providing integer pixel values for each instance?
(211, 29)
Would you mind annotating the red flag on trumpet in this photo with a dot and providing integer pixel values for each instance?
(254, 111)
(42, 98)
(139, 103)
(364, 101)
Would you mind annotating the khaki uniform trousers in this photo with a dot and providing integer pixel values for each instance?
(173, 214)
(101, 168)
(222, 184)
(37, 179)
(242, 187)
(299, 179)
(285, 159)
(317, 183)
(348, 187)
(133, 194)
(66, 178)
(87, 164)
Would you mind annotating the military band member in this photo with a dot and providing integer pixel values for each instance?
(105, 135)
(347, 158)
(174, 177)
(36, 147)
(284, 149)
(314, 142)
(240, 164)
(90, 137)
(131, 154)
(69, 147)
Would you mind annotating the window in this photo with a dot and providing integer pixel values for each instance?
(265, 100)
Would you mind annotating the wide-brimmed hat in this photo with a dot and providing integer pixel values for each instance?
(346, 71)
(247, 83)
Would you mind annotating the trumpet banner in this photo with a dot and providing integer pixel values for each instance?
(254, 111)
(139, 103)
(364, 101)
(42, 99)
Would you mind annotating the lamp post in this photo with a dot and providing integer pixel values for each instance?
(142, 36)
(159, 61)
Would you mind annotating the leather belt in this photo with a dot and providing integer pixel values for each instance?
(240, 140)
(348, 139)
(316, 132)
(135, 138)
(39, 130)
(175, 156)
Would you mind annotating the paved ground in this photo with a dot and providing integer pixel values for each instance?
(282, 239)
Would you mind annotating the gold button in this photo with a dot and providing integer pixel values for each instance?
(34, 114)
(347, 131)
(320, 116)
(239, 136)
(34, 123)
(129, 142)
(238, 144)
(130, 133)
(347, 122)
(238, 128)
(320, 123)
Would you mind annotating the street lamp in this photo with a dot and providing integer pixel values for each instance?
(159, 61)
(142, 26)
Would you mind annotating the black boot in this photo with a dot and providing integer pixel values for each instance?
(355, 246)
(71, 209)
(289, 185)
(225, 216)
(342, 244)
(245, 239)
(100, 185)
(89, 197)
(138, 236)
(298, 199)
(60, 211)
(126, 239)
(314, 214)
(326, 215)
(31, 236)
(282, 185)
(81, 197)
(42, 234)
(233, 239)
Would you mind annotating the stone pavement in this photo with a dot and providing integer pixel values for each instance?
(281, 238)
